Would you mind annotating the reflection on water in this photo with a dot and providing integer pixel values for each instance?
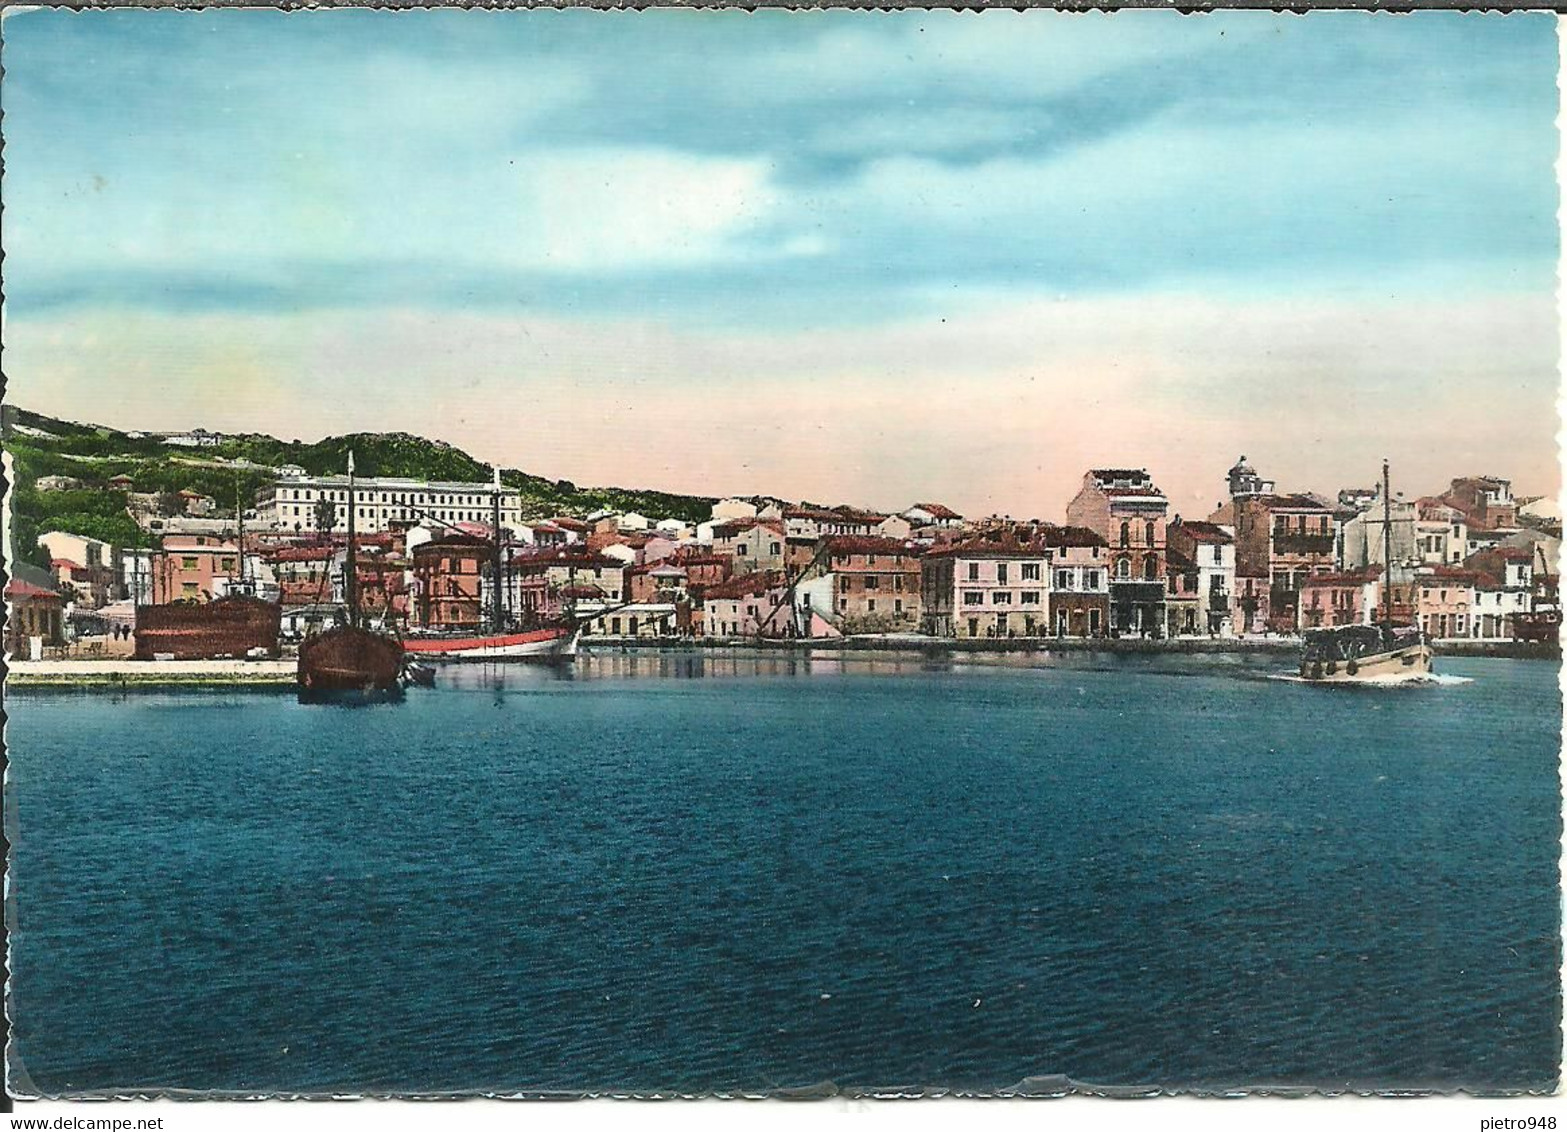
(611, 663)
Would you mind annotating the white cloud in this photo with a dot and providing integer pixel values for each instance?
(618, 208)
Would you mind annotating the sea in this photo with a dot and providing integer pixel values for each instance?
(697, 872)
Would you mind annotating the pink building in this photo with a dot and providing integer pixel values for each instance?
(1348, 598)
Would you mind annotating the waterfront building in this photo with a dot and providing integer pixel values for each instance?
(1123, 506)
(187, 566)
(748, 605)
(448, 589)
(1486, 502)
(1284, 539)
(35, 612)
(1078, 576)
(993, 585)
(641, 620)
(299, 503)
(1212, 549)
(1445, 601)
(1183, 596)
(875, 583)
(1347, 597)
(541, 583)
(1504, 590)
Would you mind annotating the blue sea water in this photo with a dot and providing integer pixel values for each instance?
(696, 873)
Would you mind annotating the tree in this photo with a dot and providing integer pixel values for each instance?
(326, 514)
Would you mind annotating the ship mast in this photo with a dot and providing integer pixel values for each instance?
(351, 563)
(1387, 549)
(497, 575)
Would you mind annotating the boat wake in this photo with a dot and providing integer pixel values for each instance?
(1429, 680)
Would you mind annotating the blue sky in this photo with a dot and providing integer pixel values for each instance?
(668, 194)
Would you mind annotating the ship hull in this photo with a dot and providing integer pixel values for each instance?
(346, 659)
(230, 626)
(538, 644)
(1410, 663)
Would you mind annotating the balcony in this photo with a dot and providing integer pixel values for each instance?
(1294, 542)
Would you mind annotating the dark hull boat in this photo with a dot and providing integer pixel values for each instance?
(230, 626)
(350, 659)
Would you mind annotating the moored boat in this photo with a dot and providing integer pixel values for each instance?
(553, 642)
(235, 625)
(1369, 654)
(350, 657)
(347, 658)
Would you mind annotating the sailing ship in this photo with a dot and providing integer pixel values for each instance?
(1369, 654)
(351, 657)
(237, 624)
(547, 642)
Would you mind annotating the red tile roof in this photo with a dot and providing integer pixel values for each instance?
(868, 544)
(936, 510)
(1202, 532)
(747, 585)
(17, 588)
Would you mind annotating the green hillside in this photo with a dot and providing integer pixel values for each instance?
(92, 455)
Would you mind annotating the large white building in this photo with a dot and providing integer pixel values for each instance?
(291, 503)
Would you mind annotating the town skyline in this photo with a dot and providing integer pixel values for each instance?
(726, 253)
(1049, 513)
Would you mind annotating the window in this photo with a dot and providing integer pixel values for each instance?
(1031, 571)
(227, 564)
(1148, 529)
(870, 606)
(1063, 579)
(843, 603)
(1091, 579)
(188, 589)
(973, 597)
(777, 549)
(1123, 568)
(1001, 573)
(872, 582)
(973, 571)
(1030, 597)
(897, 607)
(1001, 597)
(1150, 567)
(1126, 534)
(187, 563)
(740, 551)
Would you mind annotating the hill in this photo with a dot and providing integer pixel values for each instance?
(237, 466)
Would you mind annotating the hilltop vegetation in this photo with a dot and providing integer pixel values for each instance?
(92, 455)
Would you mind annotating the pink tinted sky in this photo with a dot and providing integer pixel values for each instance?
(997, 410)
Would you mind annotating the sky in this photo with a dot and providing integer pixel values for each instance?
(838, 256)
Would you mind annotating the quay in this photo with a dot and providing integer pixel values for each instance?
(121, 673)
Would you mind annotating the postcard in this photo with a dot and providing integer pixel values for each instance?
(794, 554)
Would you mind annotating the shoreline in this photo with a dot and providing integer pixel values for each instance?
(121, 674)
